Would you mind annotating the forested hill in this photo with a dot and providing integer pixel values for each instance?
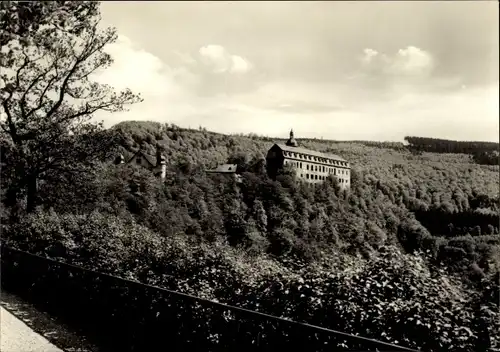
(443, 202)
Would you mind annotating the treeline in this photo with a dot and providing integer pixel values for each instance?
(487, 158)
(482, 152)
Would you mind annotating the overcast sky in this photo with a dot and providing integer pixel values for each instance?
(337, 70)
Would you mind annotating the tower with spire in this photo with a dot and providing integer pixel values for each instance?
(291, 142)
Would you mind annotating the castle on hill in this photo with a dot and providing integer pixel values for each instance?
(309, 165)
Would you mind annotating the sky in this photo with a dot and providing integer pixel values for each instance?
(360, 70)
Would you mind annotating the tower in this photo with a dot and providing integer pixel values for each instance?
(161, 164)
(291, 142)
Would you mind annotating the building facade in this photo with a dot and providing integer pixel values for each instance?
(309, 165)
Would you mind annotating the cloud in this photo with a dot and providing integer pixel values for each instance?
(240, 65)
(164, 89)
(177, 92)
(220, 60)
(369, 56)
(408, 70)
(142, 72)
(213, 70)
(408, 61)
(413, 61)
(318, 40)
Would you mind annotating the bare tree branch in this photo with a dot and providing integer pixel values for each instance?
(12, 126)
(44, 92)
(62, 90)
(23, 66)
(27, 90)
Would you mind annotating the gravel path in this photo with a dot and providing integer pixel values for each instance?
(24, 328)
(16, 336)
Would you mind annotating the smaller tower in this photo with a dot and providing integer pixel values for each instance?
(161, 164)
(291, 142)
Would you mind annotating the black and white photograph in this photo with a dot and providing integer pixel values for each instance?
(249, 176)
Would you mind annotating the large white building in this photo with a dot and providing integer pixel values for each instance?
(310, 166)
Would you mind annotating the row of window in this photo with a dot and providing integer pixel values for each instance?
(321, 177)
(320, 168)
(314, 158)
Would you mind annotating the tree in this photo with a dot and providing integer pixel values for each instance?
(21, 18)
(50, 52)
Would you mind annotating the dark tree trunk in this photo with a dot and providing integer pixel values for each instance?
(11, 203)
(32, 194)
(11, 196)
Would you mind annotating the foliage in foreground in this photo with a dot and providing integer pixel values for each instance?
(393, 297)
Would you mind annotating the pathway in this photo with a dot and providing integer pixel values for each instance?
(25, 328)
(16, 336)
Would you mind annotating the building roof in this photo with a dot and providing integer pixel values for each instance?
(149, 158)
(300, 150)
(225, 168)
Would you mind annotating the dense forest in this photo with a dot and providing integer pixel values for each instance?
(409, 255)
(481, 152)
(442, 203)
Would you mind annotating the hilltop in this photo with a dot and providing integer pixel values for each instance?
(446, 199)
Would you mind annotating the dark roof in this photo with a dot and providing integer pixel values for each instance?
(150, 159)
(309, 152)
(225, 168)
